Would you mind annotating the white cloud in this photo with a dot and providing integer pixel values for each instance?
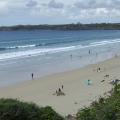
(54, 4)
(62, 9)
(31, 3)
(95, 9)
(3, 8)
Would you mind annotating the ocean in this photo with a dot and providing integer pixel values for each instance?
(45, 52)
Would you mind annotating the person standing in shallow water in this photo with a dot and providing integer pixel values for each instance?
(32, 75)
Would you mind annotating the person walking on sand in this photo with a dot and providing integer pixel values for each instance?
(62, 86)
(89, 52)
(32, 75)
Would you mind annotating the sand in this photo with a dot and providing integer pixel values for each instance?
(77, 93)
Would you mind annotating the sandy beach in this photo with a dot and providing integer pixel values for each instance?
(77, 93)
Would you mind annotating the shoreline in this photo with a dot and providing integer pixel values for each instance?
(19, 71)
(57, 73)
(77, 93)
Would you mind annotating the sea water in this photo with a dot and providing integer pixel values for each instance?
(45, 52)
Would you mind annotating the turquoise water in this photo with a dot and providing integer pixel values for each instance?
(48, 52)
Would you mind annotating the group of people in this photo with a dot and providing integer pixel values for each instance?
(98, 69)
(60, 92)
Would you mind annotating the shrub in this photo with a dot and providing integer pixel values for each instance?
(86, 114)
(11, 109)
(104, 109)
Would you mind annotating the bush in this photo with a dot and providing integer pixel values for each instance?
(11, 109)
(104, 109)
(86, 114)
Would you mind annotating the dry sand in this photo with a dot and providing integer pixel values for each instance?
(77, 93)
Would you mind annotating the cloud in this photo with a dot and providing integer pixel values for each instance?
(54, 4)
(3, 8)
(97, 4)
(31, 3)
(60, 10)
(95, 9)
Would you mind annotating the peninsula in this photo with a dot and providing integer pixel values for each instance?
(77, 26)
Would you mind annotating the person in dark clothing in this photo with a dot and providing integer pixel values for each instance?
(32, 75)
(59, 90)
(62, 86)
(89, 52)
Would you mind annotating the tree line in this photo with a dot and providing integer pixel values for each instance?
(77, 26)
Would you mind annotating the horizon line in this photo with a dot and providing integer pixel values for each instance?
(59, 24)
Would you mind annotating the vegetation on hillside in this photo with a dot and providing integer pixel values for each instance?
(78, 26)
(104, 109)
(15, 110)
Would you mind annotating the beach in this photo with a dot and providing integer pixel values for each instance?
(60, 60)
(77, 92)
(66, 70)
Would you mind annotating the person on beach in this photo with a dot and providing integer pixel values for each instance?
(89, 52)
(88, 82)
(59, 90)
(32, 75)
(98, 69)
(62, 86)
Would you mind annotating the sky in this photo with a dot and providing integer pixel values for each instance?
(14, 12)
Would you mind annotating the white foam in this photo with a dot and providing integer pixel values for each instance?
(105, 42)
(43, 51)
(34, 52)
(22, 46)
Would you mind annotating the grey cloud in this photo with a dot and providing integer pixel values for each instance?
(95, 9)
(84, 4)
(88, 4)
(54, 4)
(31, 3)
